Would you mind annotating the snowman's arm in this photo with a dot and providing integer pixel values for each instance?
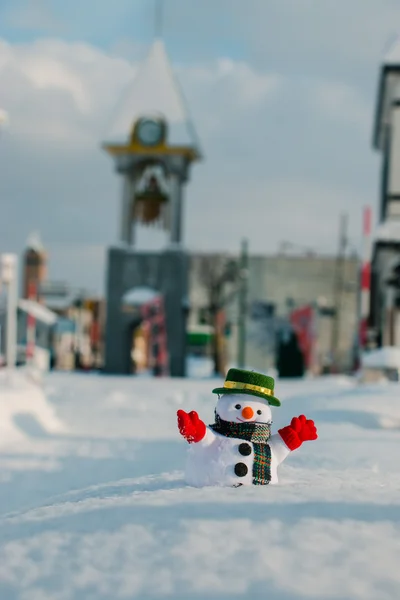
(208, 438)
(278, 448)
(193, 429)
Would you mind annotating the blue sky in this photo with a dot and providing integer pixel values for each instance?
(105, 23)
(286, 130)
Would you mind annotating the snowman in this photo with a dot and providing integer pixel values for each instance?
(238, 449)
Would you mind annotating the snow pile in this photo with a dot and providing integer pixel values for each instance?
(37, 310)
(138, 296)
(105, 513)
(388, 231)
(200, 367)
(387, 357)
(20, 395)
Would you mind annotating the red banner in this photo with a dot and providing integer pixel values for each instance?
(153, 316)
(95, 333)
(303, 322)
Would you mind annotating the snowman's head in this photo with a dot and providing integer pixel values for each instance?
(242, 408)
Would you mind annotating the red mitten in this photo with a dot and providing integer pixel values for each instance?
(300, 430)
(190, 426)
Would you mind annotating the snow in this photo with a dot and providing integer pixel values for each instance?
(93, 504)
(34, 242)
(387, 357)
(40, 312)
(154, 91)
(20, 395)
(138, 296)
(392, 57)
(388, 231)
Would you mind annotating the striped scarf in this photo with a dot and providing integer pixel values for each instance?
(256, 433)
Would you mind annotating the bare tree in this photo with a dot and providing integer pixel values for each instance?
(216, 272)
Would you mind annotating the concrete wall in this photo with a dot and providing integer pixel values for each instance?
(276, 278)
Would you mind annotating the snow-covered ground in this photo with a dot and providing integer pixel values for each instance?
(93, 505)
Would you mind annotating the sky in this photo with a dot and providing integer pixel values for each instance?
(282, 94)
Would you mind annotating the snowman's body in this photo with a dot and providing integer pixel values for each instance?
(213, 461)
(227, 461)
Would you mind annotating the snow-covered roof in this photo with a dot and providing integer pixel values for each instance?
(387, 357)
(34, 242)
(138, 296)
(388, 231)
(154, 91)
(57, 302)
(40, 312)
(392, 56)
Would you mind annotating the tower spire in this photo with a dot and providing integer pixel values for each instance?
(158, 19)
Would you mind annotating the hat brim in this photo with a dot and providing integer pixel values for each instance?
(269, 399)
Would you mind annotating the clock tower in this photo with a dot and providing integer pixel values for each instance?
(153, 144)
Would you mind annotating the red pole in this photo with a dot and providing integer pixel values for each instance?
(365, 276)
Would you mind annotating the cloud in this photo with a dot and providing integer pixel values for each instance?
(310, 33)
(64, 258)
(342, 102)
(234, 78)
(302, 212)
(58, 91)
(225, 89)
(276, 150)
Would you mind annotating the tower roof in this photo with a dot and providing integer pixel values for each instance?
(154, 91)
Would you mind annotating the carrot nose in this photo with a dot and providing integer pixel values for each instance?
(247, 412)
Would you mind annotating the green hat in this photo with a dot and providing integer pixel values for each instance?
(239, 381)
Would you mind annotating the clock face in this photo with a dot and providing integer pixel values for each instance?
(149, 132)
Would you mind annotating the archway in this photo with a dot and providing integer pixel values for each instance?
(146, 344)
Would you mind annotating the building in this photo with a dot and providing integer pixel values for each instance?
(44, 331)
(385, 283)
(78, 340)
(77, 335)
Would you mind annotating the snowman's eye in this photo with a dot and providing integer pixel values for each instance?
(259, 412)
(238, 407)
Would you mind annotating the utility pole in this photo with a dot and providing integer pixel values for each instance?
(338, 287)
(242, 317)
(9, 278)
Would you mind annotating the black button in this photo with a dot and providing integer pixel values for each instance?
(241, 470)
(245, 449)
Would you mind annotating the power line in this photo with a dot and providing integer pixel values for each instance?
(158, 18)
